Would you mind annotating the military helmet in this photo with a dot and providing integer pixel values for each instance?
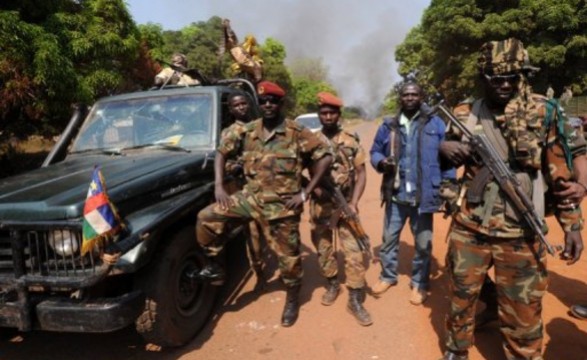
(504, 56)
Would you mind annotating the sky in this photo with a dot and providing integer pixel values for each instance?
(356, 40)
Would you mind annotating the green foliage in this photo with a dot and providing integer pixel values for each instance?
(309, 68)
(56, 53)
(443, 48)
(306, 91)
(310, 76)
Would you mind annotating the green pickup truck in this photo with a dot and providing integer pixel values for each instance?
(156, 152)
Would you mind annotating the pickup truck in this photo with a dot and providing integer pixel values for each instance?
(156, 150)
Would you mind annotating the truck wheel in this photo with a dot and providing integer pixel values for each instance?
(175, 310)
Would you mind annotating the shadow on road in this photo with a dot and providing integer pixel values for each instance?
(126, 343)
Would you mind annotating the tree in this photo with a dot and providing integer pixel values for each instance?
(60, 52)
(444, 46)
(309, 68)
(306, 94)
(273, 54)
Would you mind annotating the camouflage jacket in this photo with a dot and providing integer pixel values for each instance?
(347, 154)
(233, 164)
(273, 165)
(534, 144)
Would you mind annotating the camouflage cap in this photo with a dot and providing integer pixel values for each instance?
(504, 56)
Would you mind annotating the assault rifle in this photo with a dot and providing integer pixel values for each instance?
(345, 214)
(507, 181)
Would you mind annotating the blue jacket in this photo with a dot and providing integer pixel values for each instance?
(422, 168)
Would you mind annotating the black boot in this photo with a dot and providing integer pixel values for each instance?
(489, 296)
(355, 307)
(332, 291)
(260, 276)
(292, 306)
(211, 272)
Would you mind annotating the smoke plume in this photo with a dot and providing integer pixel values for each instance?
(356, 40)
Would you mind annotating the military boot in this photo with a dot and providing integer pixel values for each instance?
(332, 291)
(212, 272)
(292, 306)
(355, 307)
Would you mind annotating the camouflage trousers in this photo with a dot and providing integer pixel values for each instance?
(323, 240)
(253, 232)
(282, 235)
(521, 279)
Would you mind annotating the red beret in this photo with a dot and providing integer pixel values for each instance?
(326, 98)
(269, 88)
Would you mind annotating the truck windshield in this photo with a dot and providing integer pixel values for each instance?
(178, 120)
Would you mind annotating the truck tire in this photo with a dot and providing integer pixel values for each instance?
(175, 310)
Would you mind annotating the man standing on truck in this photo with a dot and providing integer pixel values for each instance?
(273, 150)
(173, 75)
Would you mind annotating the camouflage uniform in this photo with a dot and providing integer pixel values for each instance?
(273, 172)
(491, 232)
(233, 166)
(348, 155)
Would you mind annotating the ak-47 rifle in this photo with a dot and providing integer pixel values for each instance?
(345, 214)
(507, 181)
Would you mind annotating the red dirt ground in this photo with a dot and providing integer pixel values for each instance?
(247, 325)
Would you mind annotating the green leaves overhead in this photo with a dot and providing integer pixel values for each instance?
(60, 52)
(444, 46)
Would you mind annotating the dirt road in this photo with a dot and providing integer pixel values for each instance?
(247, 325)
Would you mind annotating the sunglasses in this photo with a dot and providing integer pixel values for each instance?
(499, 80)
(269, 99)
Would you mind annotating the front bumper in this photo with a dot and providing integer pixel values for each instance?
(71, 315)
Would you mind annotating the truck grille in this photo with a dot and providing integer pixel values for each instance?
(29, 252)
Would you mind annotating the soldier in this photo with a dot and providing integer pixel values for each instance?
(238, 106)
(173, 75)
(348, 172)
(273, 150)
(490, 230)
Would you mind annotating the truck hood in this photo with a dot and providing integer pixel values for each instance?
(58, 191)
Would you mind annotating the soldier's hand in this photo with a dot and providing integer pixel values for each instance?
(222, 198)
(571, 194)
(455, 152)
(295, 202)
(573, 247)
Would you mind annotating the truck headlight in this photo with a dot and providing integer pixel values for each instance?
(63, 242)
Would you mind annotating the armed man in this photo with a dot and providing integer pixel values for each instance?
(348, 173)
(274, 151)
(173, 75)
(491, 225)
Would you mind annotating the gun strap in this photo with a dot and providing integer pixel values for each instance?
(495, 137)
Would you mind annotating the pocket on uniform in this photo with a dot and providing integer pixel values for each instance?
(249, 160)
(286, 164)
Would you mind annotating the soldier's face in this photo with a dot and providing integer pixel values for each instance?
(270, 106)
(239, 107)
(502, 88)
(329, 116)
(177, 61)
(411, 97)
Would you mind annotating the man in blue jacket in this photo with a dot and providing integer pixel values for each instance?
(405, 151)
